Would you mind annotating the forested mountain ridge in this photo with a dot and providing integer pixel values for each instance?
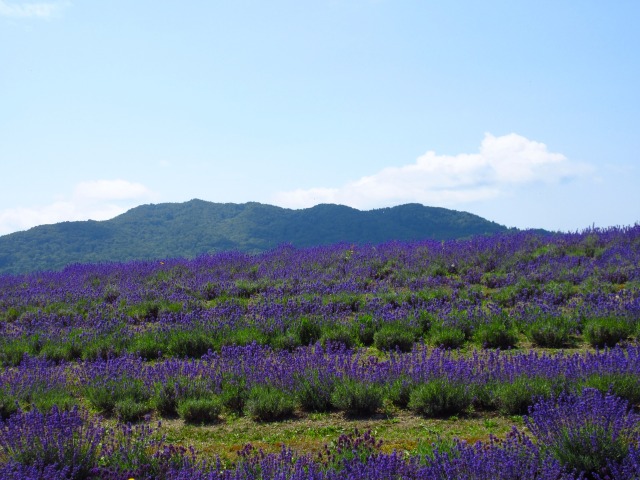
(196, 227)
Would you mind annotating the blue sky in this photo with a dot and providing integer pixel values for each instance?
(526, 113)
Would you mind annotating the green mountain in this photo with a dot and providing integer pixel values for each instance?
(192, 228)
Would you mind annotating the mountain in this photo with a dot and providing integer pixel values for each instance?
(196, 227)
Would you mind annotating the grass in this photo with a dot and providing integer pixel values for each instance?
(308, 433)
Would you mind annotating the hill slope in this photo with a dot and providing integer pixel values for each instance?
(196, 227)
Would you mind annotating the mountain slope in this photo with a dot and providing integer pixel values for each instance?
(196, 227)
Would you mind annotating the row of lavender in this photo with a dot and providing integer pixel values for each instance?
(589, 435)
(346, 293)
(605, 256)
(267, 384)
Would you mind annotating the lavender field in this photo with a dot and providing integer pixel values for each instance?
(129, 370)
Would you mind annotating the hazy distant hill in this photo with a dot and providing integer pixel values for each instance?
(196, 227)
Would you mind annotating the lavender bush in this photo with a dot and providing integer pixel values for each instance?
(587, 433)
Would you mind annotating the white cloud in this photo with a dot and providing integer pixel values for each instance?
(95, 200)
(501, 165)
(30, 9)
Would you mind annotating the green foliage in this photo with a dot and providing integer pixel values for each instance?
(244, 336)
(234, 395)
(426, 320)
(165, 397)
(356, 397)
(13, 351)
(313, 392)
(103, 347)
(400, 391)
(395, 336)
(200, 410)
(131, 410)
(178, 230)
(266, 403)
(440, 397)
(349, 447)
(338, 334)
(8, 404)
(285, 341)
(248, 288)
(447, 337)
(309, 331)
(139, 451)
(515, 398)
(150, 345)
(607, 331)
(551, 332)
(623, 385)
(498, 333)
(365, 328)
(145, 311)
(350, 301)
(11, 314)
(104, 396)
(46, 399)
(509, 295)
(193, 343)
(168, 394)
(63, 349)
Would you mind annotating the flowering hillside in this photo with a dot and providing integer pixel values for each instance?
(488, 329)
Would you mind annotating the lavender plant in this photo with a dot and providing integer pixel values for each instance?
(59, 442)
(587, 432)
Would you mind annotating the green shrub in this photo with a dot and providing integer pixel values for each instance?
(200, 410)
(244, 336)
(587, 433)
(357, 398)
(60, 350)
(426, 320)
(267, 403)
(150, 345)
(234, 395)
(103, 347)
(13, 351)
(190, 343)
(131, 410)
(400, 391)
(46, 399)
(394, 336)
(607, 331)
(145, 311)
(623, 385)
(483, 395)
(551, 332)
(365, 328)
(167, 394)
(440, 397)
(314, 391)
(350, 447)
(338, 334)
(515, 398)
(496, 334)
(165, 398)
(285, 341)
(308, 331)
(8, 404)
(11, 314)
(447, 337)
(104, 396)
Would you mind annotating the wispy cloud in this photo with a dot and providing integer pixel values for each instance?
(501, 165)
(31, 9)
(95, 200)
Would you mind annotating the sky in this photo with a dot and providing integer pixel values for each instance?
(526, 113)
